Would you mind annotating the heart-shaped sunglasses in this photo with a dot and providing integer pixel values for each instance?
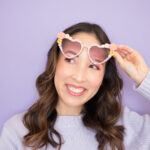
(71, 48)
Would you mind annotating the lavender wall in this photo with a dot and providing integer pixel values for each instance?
(29, 27)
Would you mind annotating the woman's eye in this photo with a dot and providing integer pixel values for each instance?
(69, 60)
(94, 67)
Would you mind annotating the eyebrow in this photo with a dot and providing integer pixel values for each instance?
(72, 53)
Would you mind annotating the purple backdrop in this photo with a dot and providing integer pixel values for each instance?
(29, 27)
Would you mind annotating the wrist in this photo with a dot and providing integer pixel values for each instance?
(142, 77)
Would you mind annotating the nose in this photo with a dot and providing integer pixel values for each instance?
(80, 72)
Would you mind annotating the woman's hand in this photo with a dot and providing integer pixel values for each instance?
(131, 62)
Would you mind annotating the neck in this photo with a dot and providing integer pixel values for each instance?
(63, 110)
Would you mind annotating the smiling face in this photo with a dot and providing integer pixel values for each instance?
(77, 80)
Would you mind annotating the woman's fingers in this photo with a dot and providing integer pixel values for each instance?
(125, 48)
(122, 54)
(119, 58)
(131, 62)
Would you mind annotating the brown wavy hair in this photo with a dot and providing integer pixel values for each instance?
(100, 113)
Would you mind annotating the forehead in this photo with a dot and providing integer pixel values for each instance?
(86, 38)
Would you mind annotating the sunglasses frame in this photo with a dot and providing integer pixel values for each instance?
(62, 35)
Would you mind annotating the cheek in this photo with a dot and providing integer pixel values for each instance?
(95, 79)
(62, 71)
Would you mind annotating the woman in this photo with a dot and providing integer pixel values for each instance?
(80, 104)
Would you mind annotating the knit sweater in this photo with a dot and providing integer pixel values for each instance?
(78, 137)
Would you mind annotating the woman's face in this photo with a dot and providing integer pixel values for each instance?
(77, 80)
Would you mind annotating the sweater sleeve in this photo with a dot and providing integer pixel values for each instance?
(137, 126)
(144, 87)
(6, 141)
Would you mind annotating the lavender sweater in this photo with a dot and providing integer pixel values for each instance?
(77, 137)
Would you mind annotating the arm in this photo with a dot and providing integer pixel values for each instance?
(144, 87)
(137, 126)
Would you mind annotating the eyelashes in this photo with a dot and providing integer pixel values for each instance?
(68, 59)
(71, 60)
(95, 67)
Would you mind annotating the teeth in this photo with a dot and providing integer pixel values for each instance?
(76, 90)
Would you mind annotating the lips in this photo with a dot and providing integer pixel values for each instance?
(75, 86)
(75, 90)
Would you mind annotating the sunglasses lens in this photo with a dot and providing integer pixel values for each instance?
(70, 48)
(98, 54)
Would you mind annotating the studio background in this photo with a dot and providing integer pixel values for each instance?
(29, 27)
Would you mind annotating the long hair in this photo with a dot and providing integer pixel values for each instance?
(100, 113)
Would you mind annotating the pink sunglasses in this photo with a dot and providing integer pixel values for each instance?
(71, 48)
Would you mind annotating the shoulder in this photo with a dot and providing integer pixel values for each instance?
(129, 117)
(137, 128)
(133, 121)
(16, 119)
(15, 125)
